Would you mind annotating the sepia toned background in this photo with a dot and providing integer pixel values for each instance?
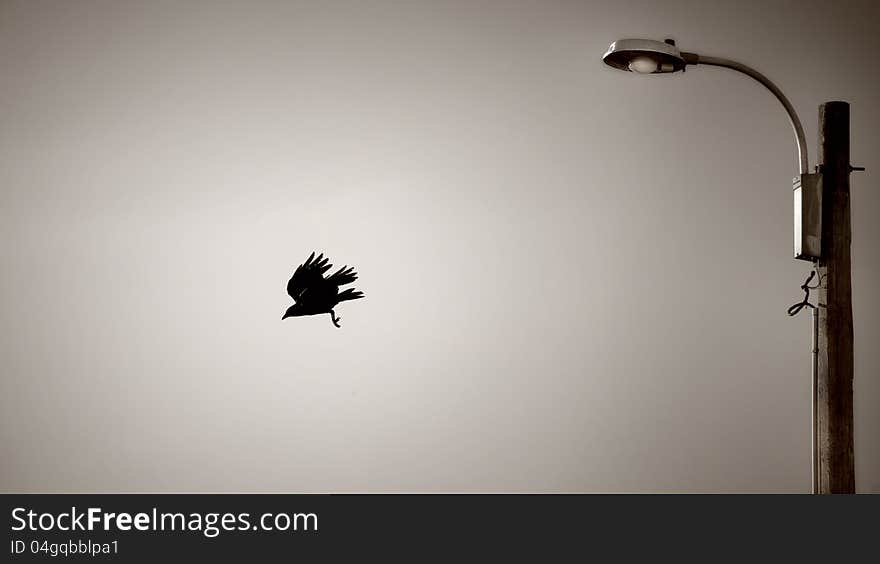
(576, 278)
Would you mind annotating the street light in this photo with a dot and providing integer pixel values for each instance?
(646, 56)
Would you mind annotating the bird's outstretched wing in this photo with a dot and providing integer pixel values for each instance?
(343, 276)
(309, 274)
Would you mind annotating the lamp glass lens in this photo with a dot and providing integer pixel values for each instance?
(643, 65)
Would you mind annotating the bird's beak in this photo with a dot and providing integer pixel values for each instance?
(285, 316)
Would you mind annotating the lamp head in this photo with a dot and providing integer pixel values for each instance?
(645, 56)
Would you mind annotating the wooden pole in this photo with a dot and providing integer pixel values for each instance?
(835, 362)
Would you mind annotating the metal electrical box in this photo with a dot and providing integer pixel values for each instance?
(808, 216)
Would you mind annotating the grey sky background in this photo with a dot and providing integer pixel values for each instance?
(576, 278)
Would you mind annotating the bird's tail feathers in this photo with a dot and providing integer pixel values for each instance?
(349, 294)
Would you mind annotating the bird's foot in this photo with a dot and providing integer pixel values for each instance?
(335, 319)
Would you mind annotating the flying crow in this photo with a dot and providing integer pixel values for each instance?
(314, 294)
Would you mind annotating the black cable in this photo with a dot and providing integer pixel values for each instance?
(796, 308)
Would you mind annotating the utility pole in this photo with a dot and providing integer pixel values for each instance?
(832, 464)
(835, 343)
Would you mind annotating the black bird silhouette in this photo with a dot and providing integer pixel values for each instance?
(315, 294)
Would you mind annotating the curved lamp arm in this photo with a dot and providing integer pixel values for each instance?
(694, 59)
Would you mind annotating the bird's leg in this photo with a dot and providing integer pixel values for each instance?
(335, 319)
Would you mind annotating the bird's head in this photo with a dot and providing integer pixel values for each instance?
(293, 311)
